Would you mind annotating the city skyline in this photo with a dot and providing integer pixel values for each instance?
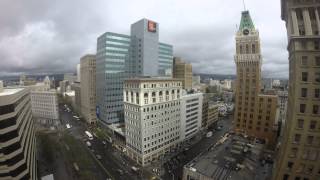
(43, 38)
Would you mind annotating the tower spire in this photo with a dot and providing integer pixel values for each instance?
(244, 5)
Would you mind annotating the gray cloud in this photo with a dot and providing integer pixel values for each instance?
(41, 36)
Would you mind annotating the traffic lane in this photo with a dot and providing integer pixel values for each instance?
(112, 165)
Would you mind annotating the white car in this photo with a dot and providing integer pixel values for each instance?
(68, 126)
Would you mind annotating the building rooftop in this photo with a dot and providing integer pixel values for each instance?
(151, 78)
(234, 158)
(10, 91)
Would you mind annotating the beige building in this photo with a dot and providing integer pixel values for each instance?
(299, 153)
(76, 87)
(17, 134)
(152, 117)
(182, 71)
(255, 113)
(88, 88)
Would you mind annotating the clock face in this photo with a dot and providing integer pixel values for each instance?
(245, 31)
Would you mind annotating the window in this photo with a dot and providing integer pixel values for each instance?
(313, 125)
(304, 76)
(316, 45)
(317, 93)
(300, 123)
(309, 140)
(290, 165)
(304, 60)
(302, 108)
(317, 77)
(253, 48)
(315, 109)
(247, 49)
(297, 138)
(317, 61)
(304, 92)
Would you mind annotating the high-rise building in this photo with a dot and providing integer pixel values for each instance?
(298, 156)
(182, 71)
(76, 87)
(88, 88)
(17, 134)
(255, 113)
(283, 104)
(120, 57)
(191, 115)
(78, 73)
(152, 117)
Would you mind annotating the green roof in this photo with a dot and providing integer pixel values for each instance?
(246, 21)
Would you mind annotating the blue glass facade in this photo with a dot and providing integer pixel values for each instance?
(165, 61)
(112, 55)
(120, 57)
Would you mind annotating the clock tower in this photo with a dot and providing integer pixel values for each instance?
(253, 110)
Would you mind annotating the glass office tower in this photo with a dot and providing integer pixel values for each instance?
(120, 57)
(112, 55)
(165, 62)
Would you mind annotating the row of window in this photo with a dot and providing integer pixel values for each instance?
(315, 109)
(316, 93)
(305, 61)
(312, 124)
(305, 77)
(309, 140)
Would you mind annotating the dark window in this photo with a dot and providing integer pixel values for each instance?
(253, 48)
(6, 109)
(313, 125)
(285, 177)
(297, 138)
(304, 92)
(317, 76)
(309, 140)
(302, 108)
(290, 165)
(317, 61)
(317, 93)
(315, 109)
(304, 76)
(316, 45)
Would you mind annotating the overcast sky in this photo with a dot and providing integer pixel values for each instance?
(39, 36)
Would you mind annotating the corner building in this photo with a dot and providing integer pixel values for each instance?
(299, 153)
(255, 112)
(152, 117)
(122, 56)
(17, 135)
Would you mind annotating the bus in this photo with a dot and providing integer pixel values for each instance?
(89, 135)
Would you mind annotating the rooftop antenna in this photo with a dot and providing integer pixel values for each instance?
(244, 5)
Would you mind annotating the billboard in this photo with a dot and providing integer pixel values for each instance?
(152, 26)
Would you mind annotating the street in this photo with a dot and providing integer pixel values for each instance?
(110, 160)
(177, 163)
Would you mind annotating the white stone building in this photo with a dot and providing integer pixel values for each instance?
(152, 117)
(191, 115)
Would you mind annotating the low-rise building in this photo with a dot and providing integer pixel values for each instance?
(233, 158)
(152, 117)
(17, 134)
(191, 115)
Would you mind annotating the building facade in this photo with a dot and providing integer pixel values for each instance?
(45, 107)
(255, 113)
(152, 117)
(182, 71)
(76, 87)
(283, 104)
(299, 153)
(191, 115)
(88, 88)
(120, 57)
(17, 134)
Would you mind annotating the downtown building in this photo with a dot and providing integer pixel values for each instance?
(299, 153)
(152, 117)
(182, 71)
(255, 112)
(122, 56)
(17, 135)
(191, 114)
(88, 88)
(44, 103)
